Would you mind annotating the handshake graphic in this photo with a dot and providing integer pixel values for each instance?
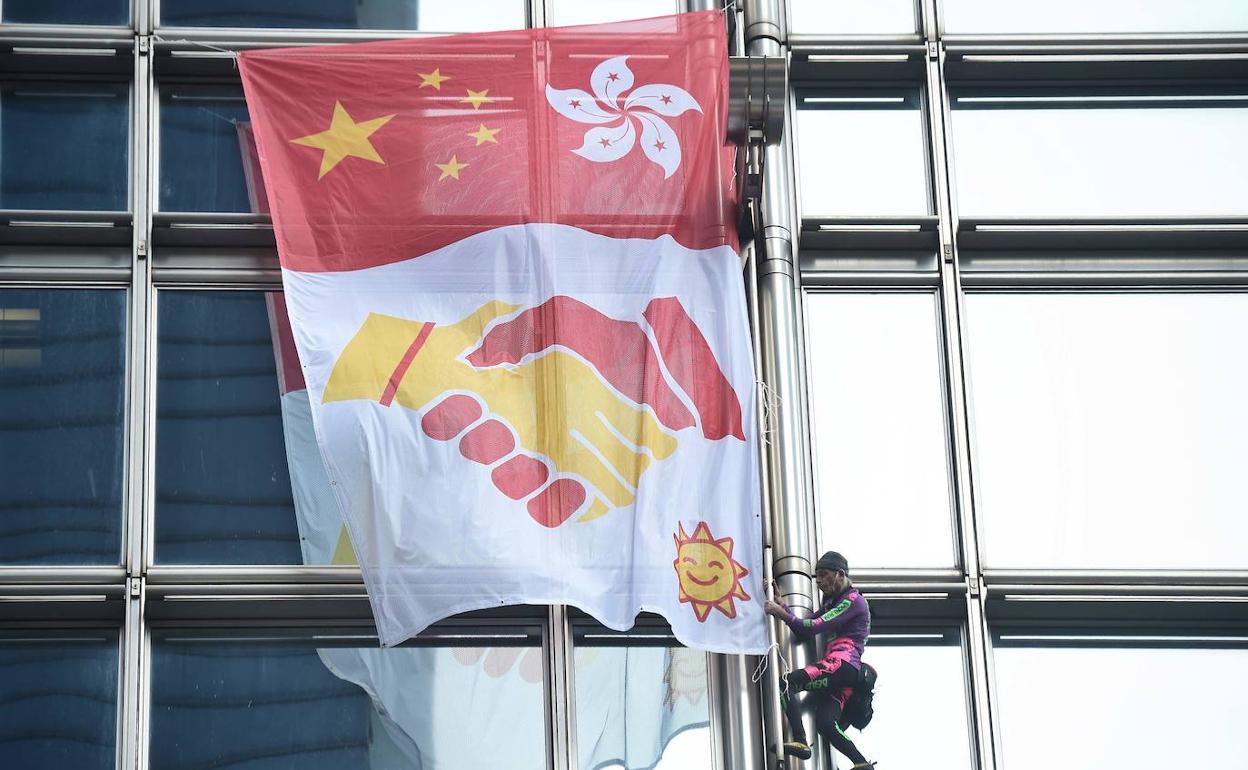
(567, 406)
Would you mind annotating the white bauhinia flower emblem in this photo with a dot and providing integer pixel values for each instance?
(645, 106)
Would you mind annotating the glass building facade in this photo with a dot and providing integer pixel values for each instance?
(1020, 238)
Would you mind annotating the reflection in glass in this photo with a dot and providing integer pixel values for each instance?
(64, 146)
(201, 165)
(862, 154)
(1111, 156)
(423, 15)
(301, 704)
(1110, 429)
(61, 397)
(101, 12)
(971, 17)
(223, 494)
(1121, 693)
(879, 428)
(852, 17)
(58, 702)
(920, 706)
(563, 13)
(642, 707)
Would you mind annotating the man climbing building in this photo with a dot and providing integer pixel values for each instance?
(844, 619)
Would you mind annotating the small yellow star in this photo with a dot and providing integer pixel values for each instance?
(434, 79)
(451, 168)
(483, 135)
(345, 138)
(477, 98)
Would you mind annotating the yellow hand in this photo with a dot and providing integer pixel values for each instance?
(557, 405)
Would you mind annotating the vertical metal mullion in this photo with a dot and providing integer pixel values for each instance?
(561, 689)
(138, 356)
(151, 148)
(139, 317)
(141, 15)
(537, 13)
(978, 640)
(929, 29)
(133, 708)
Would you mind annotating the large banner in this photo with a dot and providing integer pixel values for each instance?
(630, 701)
(514, 290)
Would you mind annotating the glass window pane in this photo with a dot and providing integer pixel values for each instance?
(642, 707)
(201, 163)
(563, 13)
(1102, 420)
(862, 153)
(102, 12)
(1123, 693)
(1101, 155)
(301, 704)
(879, 428)
(1105, 16)
(64, 146)
(61, 396)
(920, 706)
(58, 702)
(453, 16)
(223, 492)
(852, 17)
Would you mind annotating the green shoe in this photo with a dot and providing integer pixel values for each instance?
(797, 749)
(863, 766)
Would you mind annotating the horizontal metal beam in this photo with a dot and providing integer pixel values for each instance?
(1127, 280)
(1126, 580)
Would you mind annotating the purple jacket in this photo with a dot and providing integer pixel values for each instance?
(844, 620)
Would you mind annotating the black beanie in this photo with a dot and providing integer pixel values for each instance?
(832, 562)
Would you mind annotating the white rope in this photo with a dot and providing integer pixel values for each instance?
(771, 410)
(232, 54)
(761, 669)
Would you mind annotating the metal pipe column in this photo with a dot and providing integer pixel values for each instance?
(780, 331)
(736, 702)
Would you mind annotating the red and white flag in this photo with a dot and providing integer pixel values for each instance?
(512, 279)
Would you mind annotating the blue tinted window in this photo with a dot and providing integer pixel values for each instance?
(222, 489)
(64, 146)
(61, 374)
(58, 703)
(263, 706)
(342, 703)
(103, 12)
(201, 160)
(429, 15)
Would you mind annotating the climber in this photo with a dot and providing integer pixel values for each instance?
(844, 619)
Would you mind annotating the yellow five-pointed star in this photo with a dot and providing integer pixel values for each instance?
(434, 79)
(477, 98)
(451, 168)
(345, 138)
(483, 135)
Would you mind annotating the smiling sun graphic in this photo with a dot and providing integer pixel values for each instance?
(707, 574)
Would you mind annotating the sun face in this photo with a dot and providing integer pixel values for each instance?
(685, 677)
(707, 574)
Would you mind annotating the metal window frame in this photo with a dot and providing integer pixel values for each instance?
(52, 630)
(885, 84)
(71, 227)
(243, 36)
(70, 578)
(303, 627)
(923, 285)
